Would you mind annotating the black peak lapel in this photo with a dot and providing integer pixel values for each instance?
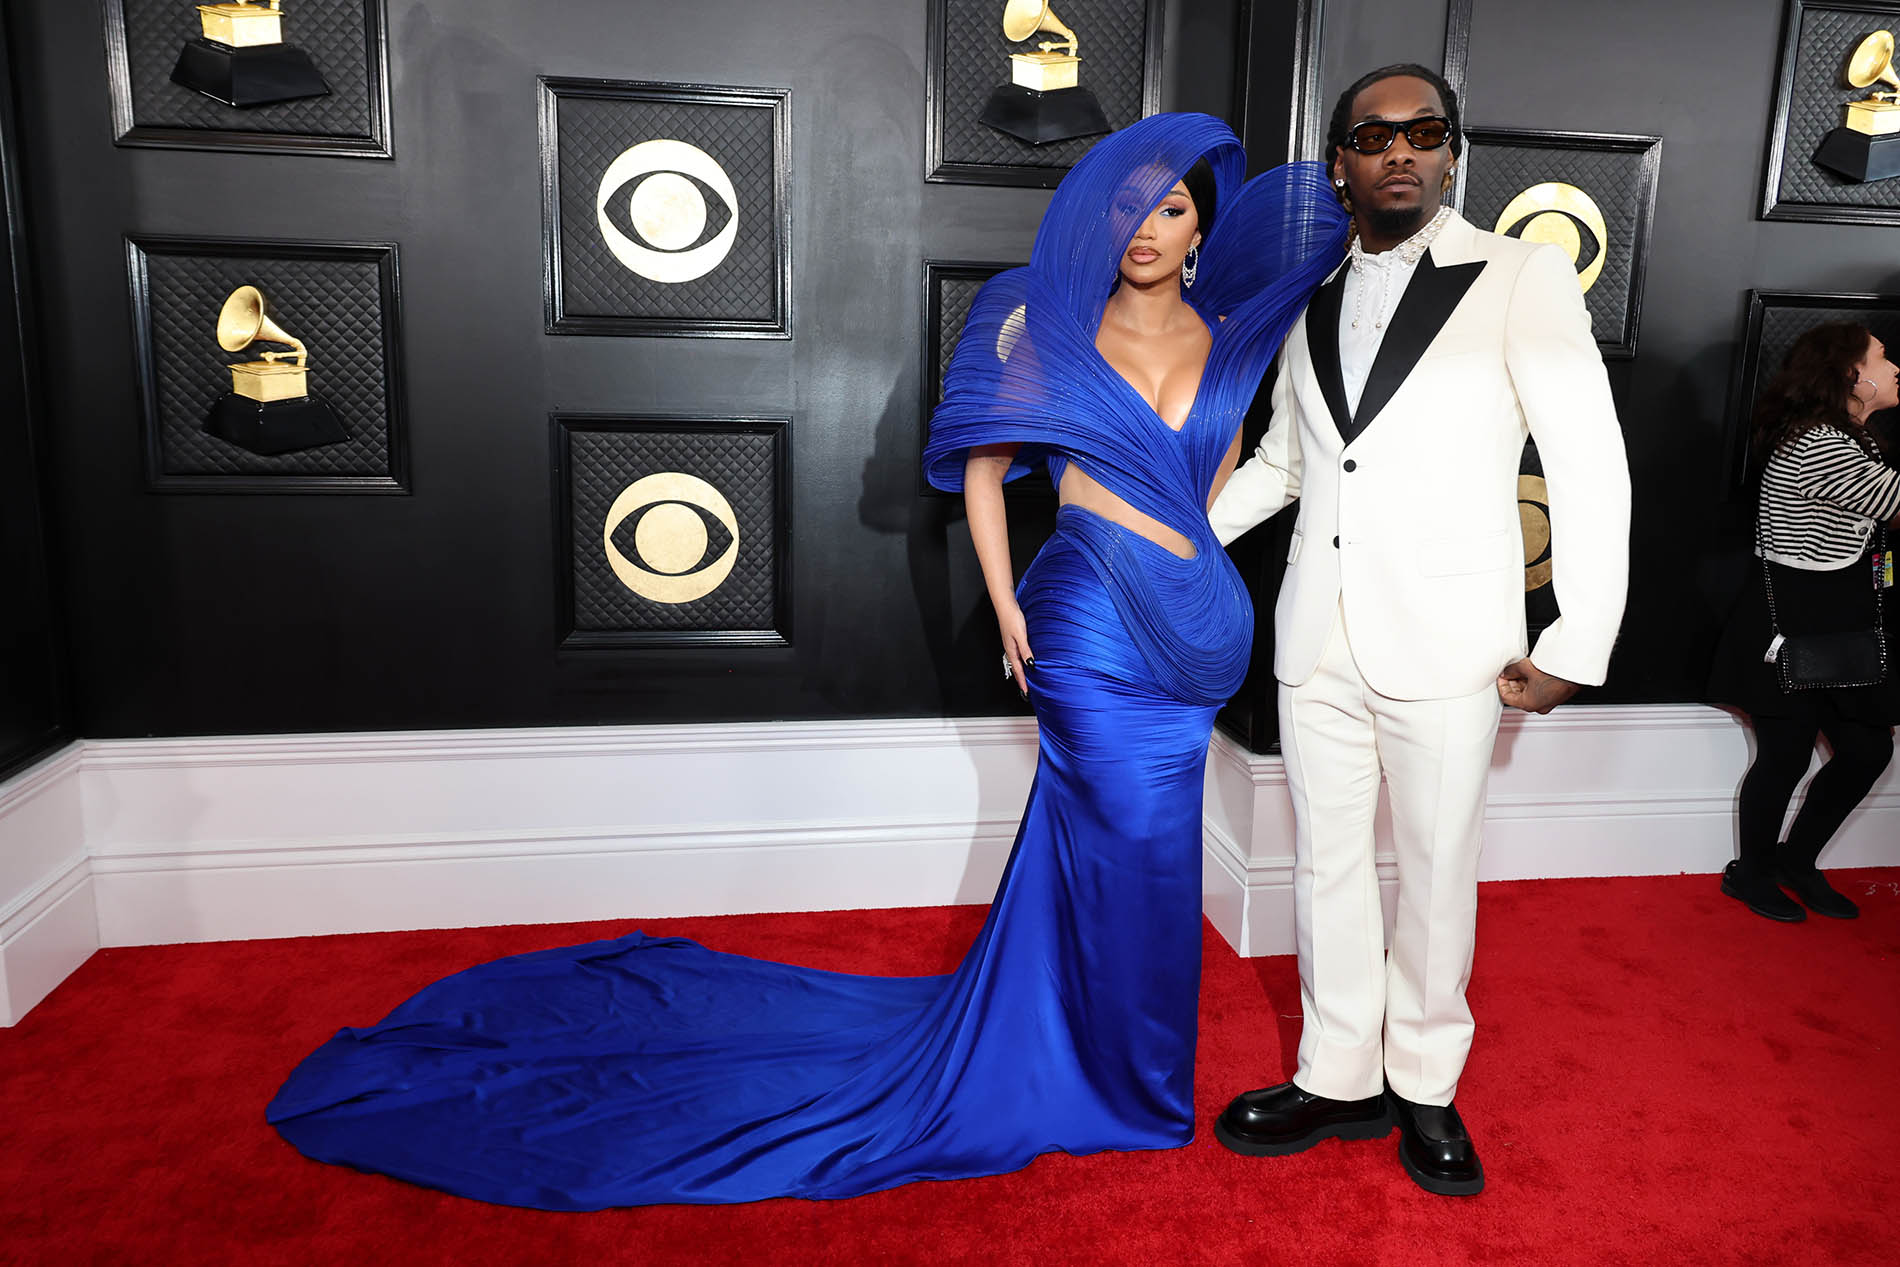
(1322, 344)
(1430, 298)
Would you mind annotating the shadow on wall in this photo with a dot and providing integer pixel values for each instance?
(946, 584)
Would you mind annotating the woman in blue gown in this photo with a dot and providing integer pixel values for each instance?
(645, 1070)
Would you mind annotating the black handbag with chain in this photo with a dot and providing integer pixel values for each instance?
(1809, 662)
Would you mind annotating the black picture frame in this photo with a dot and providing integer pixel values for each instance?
(1458, 49)
(395, 476)
(563, 425)
(1756, 361)
(777, 324)
(1540, 592)
(941, 167)
(1645, 168)
(940, 276)
(128, 130)
(37, 590)
(1800, 120)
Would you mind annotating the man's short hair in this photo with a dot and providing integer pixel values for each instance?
(1342, 112)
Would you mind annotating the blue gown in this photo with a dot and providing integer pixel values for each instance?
(645, 1070)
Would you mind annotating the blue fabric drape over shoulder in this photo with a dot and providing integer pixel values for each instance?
(650, 1069)
(1026, 370)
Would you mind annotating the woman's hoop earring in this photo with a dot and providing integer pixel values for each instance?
(1190, 265)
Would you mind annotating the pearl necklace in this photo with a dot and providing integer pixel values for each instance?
(1408, 252)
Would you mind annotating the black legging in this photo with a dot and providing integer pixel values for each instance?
(1783, 746)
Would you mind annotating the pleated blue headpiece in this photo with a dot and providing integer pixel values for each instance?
(1025, 368)
(1026, 372)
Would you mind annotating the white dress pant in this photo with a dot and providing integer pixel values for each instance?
(1370, 1016)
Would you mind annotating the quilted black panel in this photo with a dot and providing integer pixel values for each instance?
(592, 133)
(955, 295)
(1815, 101)
(332, 32)
(1615, 181)
(1112, 37)
(742, 464)
(334, 305)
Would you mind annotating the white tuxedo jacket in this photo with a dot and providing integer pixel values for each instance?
(1408, 509)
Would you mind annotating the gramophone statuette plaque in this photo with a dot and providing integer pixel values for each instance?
(1044, 100)
(269, 409)
(1868, 148)
(241, 58)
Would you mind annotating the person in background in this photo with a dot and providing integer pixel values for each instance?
(1825, 494)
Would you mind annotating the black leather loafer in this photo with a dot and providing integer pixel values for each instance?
(1816, 893)
(1759, 894)
(1279, 1120)
(1435, 1148)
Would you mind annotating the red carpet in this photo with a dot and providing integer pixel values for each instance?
(1660, 1077)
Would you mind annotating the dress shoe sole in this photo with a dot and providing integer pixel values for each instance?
(1439, 1186)
(1371, 1128)
(1795, 918)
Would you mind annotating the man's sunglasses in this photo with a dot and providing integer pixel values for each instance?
(1375, 136)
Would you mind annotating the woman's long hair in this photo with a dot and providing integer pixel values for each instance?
(1812, 388)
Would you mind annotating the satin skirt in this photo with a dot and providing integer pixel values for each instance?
(646, 1070)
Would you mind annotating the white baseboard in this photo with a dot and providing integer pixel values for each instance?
(139, 842)
(197, 840)
(1587, 791)
(47, 924)
(246, 889)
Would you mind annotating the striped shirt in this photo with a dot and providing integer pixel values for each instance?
(1821, 496)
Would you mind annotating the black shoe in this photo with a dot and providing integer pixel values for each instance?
(1815, 892)
(1435, 1148)
(1759, 894)
(1284, 1119)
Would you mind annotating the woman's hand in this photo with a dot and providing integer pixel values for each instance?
(983, 474)
(1015, 631)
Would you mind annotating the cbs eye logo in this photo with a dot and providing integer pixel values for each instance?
(1557, 213)
(1533, 512)
(667, 211)
(682, 532)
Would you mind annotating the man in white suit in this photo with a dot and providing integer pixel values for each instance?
(1400, 413)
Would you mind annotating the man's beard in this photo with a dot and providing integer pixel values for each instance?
(1398, 222)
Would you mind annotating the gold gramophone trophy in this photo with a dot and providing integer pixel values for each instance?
(242, 60)
(1044, 100)
(1868, 148)
(269, 409)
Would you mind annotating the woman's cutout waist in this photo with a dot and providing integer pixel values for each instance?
(1080, 491)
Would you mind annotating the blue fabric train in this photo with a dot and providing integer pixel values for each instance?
(645, 1070)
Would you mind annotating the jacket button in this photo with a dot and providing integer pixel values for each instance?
(1335, 543)
(1351, 465)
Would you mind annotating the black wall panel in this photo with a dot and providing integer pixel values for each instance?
(262, 612)
(1619, 67)
(32, 695)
